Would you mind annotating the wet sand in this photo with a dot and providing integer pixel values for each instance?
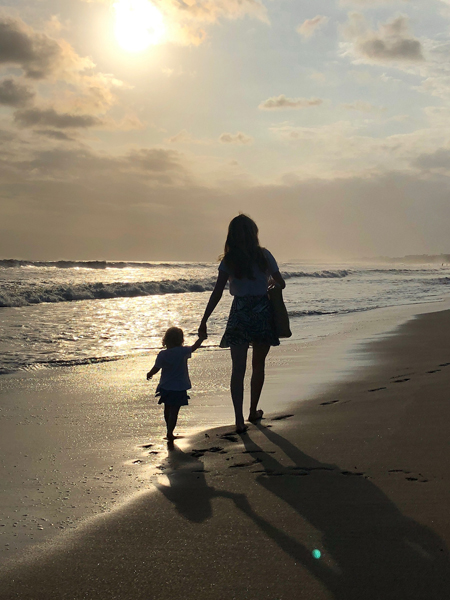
(344, 495)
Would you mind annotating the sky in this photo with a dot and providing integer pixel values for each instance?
(136, 130)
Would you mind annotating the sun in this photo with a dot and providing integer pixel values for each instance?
(139, 24)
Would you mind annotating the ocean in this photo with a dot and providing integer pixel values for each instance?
(56, 314)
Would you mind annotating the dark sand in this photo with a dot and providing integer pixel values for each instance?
(360, 473)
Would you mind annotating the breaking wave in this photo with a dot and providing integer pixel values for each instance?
(317, 274)
(12, 263)
(26, 295)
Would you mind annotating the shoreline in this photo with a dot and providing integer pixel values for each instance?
(311, 411)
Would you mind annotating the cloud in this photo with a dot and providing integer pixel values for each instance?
(49, 117)
(93, 94)
(281, 102)
(154, 160)
(368, 3)
(392, 42)
(56, 135)
(434, 161)
(182, 137)
(132, 218)
(212, 10)
(38, 55)
(235, 138)
(362, 106)
(13, 93)
(186, 18)
(310, 26)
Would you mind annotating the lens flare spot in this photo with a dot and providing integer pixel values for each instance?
(139, 24)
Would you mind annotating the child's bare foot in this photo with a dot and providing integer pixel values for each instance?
(255, 416)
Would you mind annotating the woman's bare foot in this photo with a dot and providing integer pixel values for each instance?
(241, 429)
(170, 437)
(255, 416)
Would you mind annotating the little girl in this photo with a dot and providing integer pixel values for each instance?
(174, 382)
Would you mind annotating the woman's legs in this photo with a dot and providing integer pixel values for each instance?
(260, 352)
(171, 416)
(239, 364)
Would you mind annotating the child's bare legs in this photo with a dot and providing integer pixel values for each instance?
(171, 416)
(239, 364)
(260, 352)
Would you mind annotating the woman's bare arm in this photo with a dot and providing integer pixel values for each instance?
(214, 300)
(278, 279)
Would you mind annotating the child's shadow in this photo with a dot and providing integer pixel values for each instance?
(187, 473)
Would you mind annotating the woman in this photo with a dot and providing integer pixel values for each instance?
(248, 268)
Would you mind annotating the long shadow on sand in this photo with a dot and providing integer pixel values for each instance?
(378, 553)
(142, 552)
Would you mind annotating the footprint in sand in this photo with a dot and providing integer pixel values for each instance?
(198, 452)
(230, 437)
(445, 365)
(377, 389)
(411, 476)
(329, 402)
(434, 371)
(280, 417)
(246, 464)
(401, 380)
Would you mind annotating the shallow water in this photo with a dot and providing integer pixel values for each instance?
(53, 315)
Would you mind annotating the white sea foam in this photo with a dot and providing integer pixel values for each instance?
(25, 295)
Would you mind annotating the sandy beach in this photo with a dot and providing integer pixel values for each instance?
(342, 495)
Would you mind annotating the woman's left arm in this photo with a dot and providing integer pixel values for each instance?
(277, 277)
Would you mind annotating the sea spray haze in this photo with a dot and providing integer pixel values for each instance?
(68, 312)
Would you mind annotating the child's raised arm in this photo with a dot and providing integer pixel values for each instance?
(197, 344)
(152, 372)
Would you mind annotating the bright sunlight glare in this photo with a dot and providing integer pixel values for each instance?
(139, 24)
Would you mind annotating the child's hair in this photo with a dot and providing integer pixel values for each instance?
(173, 337)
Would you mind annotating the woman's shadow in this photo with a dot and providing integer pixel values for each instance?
(377, 553)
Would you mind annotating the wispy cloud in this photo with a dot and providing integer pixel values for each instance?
(362, 106)
(235, 138)
(31, 117)
(369, 3)
(212, 10)
(310, 26)
(282, 102)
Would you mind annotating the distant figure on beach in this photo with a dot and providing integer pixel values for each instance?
(174, 382)
(250, 270)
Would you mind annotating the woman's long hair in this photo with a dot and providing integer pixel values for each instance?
(242, 249)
